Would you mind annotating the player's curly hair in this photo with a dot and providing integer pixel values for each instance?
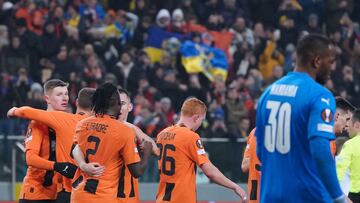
(105, 96)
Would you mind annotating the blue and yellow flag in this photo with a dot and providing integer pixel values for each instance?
(153, 44)
(198, 58)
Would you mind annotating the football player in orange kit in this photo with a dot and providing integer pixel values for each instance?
(252, 165)
(40, 182)
(181, 151)
(110, 143)
(129, 191)
(63, 125)
(129, 184)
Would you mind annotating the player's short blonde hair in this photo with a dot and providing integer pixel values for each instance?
(193, 106)
(52, 84)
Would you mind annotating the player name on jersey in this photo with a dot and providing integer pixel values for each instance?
(284, 90)
(167, 136)
(98, 127)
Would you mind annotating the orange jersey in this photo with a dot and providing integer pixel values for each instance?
(64, 126)
(180, 151)
(104, 140)
(128, 187)
(39, 184)
(254, 168)
(333, 147)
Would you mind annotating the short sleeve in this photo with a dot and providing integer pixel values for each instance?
(321, 116)
(197, 150)
(129, 152)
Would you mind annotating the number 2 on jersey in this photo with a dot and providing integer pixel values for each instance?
(277, 132)
(167, 159)
(92, 151)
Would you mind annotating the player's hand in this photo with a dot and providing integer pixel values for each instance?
(146, 147)
(93, 169)
(11, 112)
(66, 169)
(242, 194)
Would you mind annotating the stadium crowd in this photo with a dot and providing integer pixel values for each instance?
(88, 42)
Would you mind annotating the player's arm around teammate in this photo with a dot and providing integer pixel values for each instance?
(140, 136)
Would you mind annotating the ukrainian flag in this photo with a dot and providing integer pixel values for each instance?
(197, 58)
(218, 61)
(154, 43)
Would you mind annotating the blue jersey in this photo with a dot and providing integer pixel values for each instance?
(290, 112)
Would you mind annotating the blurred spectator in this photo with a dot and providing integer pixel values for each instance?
(163, 18)
(242, 32)
(126, 73)
(254, 83)
(177, 23)
(125, 23)
(348, 83)
(218, 128)
(140, 35)
(7, 9)
(15, 56)
(277, 73)
(47, 69)
(72, 40)
(244, 125)
(235, 110)
(92, 11)
(271, 57)
(150, 122)
(56, 17)
(288, 31)
(7, 101)
(35, 97)
(33, 16)
(50, 40)
(109, 77)
(93, 73)
(141, 9)
(335, 9)
(313, 24)
(195, 88)
(171, 88)
(215, 22)
(166, 111)
(62, 64)
(31, 42)
(73, 17)
(218, 90)
(263, 11)
(21, 85)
